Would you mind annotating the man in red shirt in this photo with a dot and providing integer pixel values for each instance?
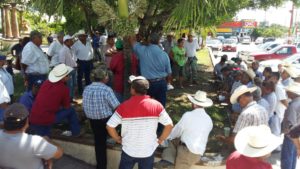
(52, 104)
(118, 66)
(254, 145)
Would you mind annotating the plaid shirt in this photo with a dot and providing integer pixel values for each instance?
(252, 115)
(99, 101)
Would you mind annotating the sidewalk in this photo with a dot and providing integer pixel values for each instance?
(67, 162)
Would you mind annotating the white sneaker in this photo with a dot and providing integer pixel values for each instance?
(170, 87)
(67, 133)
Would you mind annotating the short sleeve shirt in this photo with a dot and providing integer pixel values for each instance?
(24, 151)
(35, 59)
(252, 115)
(139, 117)
(53, 51)
(179, 55)
(50, 99)
(67, 57)
(83, 52)
(281, 95)
(239, 161)
(292, 115)
(191, 48)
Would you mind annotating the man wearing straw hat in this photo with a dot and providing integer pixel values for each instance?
(84, 52)
(252, 114)
(52, 104)
(254, 145)
(189, 136)
(291, 119)
(287, 74)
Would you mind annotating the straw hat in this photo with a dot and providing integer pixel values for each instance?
(133, 78)
(240, 91)
(200, 99)
(256, 141)
(59, 72)
(250, 73)
(80, 32)
(67, 37)
(291, 71)
(294, 88)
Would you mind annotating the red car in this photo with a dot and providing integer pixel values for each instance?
(229, 45)
(279, 52)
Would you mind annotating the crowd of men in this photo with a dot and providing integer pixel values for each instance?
(262, 102)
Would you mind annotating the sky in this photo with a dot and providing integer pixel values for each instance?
(280, 15)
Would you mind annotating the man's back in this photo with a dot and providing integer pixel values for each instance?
(50, 99)
(23, 151)
(139, 117)
(154, 62)
(238, 161)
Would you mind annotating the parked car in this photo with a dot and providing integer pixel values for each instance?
(273, 63)
(221, 38)
(246, 40)
(297, 46)
(259, 40)
(214, 44)
(229, 45)
(268, 46)
(279, 52)
(269, 39)
(235, 38)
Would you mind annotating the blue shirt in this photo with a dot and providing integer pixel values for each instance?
(27, 100)
(99, 101)
(96, 40)
(154, 62)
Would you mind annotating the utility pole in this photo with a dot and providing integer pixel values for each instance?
(292, 19)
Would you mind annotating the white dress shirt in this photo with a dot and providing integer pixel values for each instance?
(272, 100)
(83, 52)
(35, 59)
(281, 95)
(191, 48)
(67, 57)
(4, 96)
(287, 82)
(7, 80)
(53, 51)
(193, 130)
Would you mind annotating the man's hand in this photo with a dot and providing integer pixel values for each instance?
(159, 141)
(119, 140)
(48, 164)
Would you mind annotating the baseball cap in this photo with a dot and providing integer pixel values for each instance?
(15, 112)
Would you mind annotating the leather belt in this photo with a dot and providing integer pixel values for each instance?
(156, 80)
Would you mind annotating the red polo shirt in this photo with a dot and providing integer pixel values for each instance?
(239, 161)
(50, 99)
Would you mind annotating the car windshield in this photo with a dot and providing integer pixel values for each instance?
(292, 58)
(275, 49)
(229, 41)
(212, 41)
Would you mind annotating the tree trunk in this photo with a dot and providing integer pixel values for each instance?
(7, 22)
(127, 49)
(14, 21)
(3, 23)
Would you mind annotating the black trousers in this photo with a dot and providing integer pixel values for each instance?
(100, 136)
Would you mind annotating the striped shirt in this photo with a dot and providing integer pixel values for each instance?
(252, 115)
(139, 117)
(99, 101)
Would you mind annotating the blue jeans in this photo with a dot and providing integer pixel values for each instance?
(64, 114)
(1, 114)
(84, 68)
(32, 78)
(158, 91)
(72, 83)
(288, 154)
(128, 162)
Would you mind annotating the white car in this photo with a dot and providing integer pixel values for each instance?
(259, 40)
(214, 44)
(293, 60)
(246, 40)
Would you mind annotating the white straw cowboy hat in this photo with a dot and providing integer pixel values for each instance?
(294, 88)
(59, 72)
(133, 78)
(67, 37)
(240, 91)
(256, 141)
(291, 71)
(250, 73)
(200, 99)
(80, 32)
